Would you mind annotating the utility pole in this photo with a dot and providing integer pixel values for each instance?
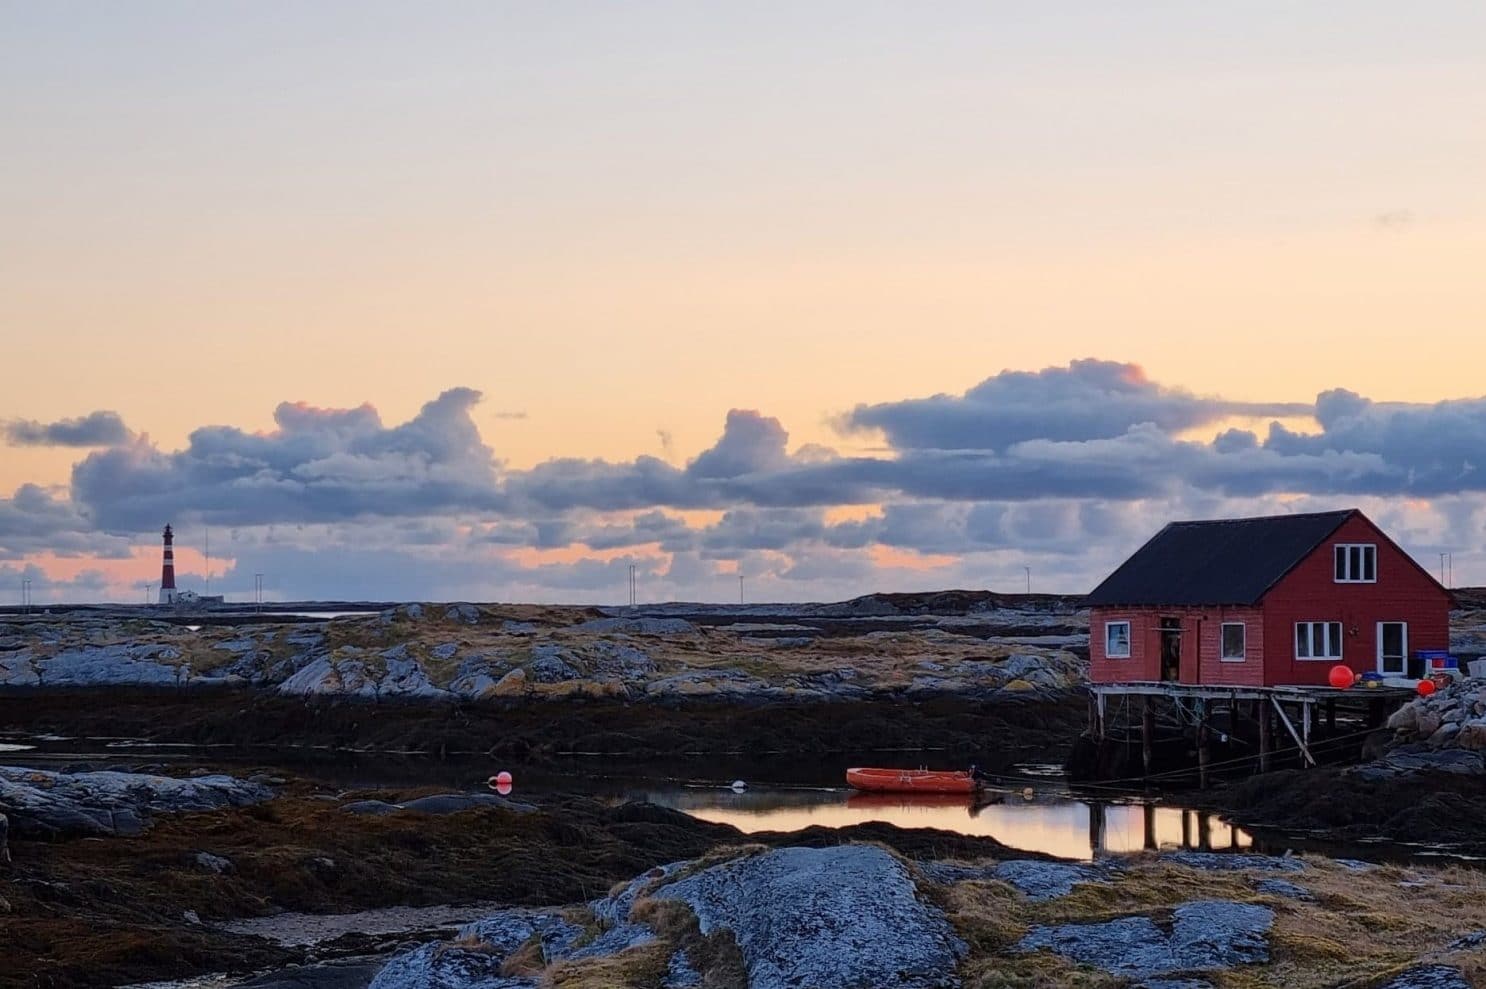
(26, 594)
(633, 584)
(147, 589)
(740, 588)
(1029, 579)
(208, 560)
(258, 590)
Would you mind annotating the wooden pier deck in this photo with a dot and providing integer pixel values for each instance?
(1295, 710)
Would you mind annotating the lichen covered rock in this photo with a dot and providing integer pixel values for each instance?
(829, 918)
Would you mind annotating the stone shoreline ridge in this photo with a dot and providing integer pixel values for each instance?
(45, 804)
(1444, 732)
(465, 653)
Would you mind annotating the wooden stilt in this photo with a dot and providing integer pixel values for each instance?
(1305, 750)
(1204, 754)
(1204, 831)
(1186, 829)
(1149, 813)
(1266, 720)
(1147, 733)
(1331, 717)
(1096, 829)
(1305, 728)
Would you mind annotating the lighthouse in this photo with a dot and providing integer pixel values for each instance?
(167, 570)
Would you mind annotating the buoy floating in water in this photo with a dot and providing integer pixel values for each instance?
(500, 782)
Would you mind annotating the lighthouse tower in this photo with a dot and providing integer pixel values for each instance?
(167, 570)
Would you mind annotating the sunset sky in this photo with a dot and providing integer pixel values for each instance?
(491, 300)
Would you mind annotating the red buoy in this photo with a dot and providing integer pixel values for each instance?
(1341, 676)
(1425, 688)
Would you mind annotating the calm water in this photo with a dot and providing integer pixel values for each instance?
(1036, 812)
(1043, 819)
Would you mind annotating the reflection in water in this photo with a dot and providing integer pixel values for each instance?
(1054, 825)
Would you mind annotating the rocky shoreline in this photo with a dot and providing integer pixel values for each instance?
(583, 894)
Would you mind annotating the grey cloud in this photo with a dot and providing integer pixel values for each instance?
(751, 444)
(93, 429)
(1088, 399)
(1427, 449)
(319, 465)
(756, 529)
(33, 521)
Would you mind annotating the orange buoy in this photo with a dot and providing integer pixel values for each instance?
(1341, 676)
(1425, 688)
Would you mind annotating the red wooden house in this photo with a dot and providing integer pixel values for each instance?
(1266, 602)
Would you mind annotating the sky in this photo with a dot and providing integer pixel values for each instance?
(493, 301)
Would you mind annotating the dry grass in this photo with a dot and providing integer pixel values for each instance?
(637, 968)
(1364, 926)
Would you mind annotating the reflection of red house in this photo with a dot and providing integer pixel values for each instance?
(1272, 601)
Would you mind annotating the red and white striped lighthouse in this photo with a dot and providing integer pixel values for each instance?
(167, 570)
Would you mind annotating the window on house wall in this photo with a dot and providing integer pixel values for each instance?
(1355, 563)
(1117, 640)
(1234, 643)
(1318, 640)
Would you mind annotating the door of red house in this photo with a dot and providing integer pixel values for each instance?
(1393, 648)
(1171, 649)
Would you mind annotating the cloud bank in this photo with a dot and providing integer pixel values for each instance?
(1065, 469)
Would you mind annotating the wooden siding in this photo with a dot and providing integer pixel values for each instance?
(1309, 592)
(1201, 645)
(1145, 654)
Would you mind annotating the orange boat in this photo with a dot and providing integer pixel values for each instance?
(911, 781)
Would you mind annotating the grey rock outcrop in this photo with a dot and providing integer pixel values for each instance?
(1428, 977)
(475, 958)
(1233, 862)
(829, 918)
(213, 863)
(681, 973)
(45, 804)
(437, 804)
(1285, 888)
(1033, 879)
(1205, 935)
(371, 808)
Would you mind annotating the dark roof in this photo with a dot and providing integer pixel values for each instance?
(1225, 561)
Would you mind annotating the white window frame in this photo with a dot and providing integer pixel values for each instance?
(1326, 638)
(1343, 552)
(1128, 630)
(1242, 656)
(1379, 637)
